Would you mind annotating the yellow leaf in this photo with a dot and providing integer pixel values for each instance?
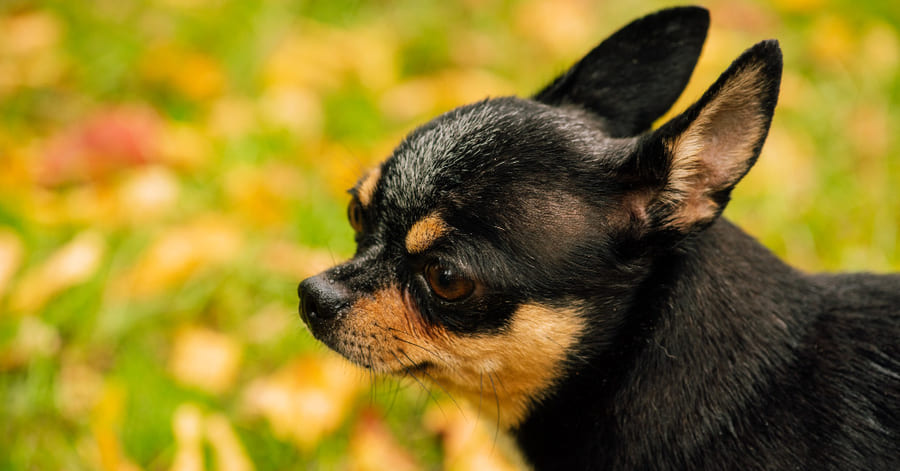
(562, 26)
(29, 33)
(833, 42)
(320, 58)
(264, 195)
(880, 53)
(200, 77)
(469, 443)
(439, 92)
(195, 75)
(230, 454)
(205, 359)
(306, 400)
(34, 338)
(871, 131)
(187, 426)
(294, 109)
(295, 261)
(105, 421)
(184, 147)
(231, 117)
(305, 58)
(179, 253)
(29, 53)
(373, 448)
(78, 389)
(71, 264)
(10, 257)
(147, 194)
(273, 322)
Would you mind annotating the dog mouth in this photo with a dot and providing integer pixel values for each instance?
(414, 370)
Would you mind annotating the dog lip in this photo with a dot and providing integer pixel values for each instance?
(421, 367)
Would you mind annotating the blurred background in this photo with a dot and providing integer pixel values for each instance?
(171, 169)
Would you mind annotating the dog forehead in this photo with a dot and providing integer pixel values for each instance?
(476, 144)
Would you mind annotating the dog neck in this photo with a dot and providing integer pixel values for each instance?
(715, 318)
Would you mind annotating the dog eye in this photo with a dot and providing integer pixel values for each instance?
(447, 283)
(355, 215)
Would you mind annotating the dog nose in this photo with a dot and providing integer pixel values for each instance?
(320, 299)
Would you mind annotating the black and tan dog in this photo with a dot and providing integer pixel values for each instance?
(554, 257)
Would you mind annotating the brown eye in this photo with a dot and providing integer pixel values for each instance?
(447, 283)
(355, 215)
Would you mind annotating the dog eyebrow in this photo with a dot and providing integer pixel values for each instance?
(365, 189)
(424, 233)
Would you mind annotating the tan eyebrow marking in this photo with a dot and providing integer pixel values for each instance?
(366, 186)
(424, 233)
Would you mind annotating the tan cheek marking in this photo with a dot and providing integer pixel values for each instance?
(523, 363)
(385, 331)
(366, 187)
(424, 233)
(504, 373)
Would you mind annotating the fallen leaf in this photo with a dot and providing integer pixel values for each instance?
(29, 52)
(295, 261)
(34, 339)
(263, 195)
(374, 448)
(470, 443)
(29, 33)
(232, 117)
(179, 253)
(205, 359)
(78, 389)
(293, 109)
(11, 251)
(270, 324)
(227, 449)
(560, 26)
(187, 426)
(106, 419)
(72, 264)
(190, 73)
(306, 400)
(104, 143)
(146, 194)
(184, 147)
(833, 42)
(439, 92)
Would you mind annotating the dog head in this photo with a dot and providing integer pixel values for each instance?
(503, 241)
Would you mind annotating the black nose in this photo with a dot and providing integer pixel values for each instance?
(321, 299)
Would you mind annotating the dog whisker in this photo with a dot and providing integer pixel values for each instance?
(435, 382)
(419, 381)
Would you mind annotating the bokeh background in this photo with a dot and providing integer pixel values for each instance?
(170, 169)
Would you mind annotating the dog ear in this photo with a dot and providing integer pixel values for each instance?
(694, 161)
(635, 75)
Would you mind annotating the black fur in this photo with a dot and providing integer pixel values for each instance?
(702, 349)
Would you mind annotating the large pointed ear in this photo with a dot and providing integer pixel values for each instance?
(634, 76)
(695, 160)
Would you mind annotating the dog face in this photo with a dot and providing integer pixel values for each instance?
(502, 242)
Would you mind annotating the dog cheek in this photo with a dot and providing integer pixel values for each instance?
(392, 332)
(517, 367)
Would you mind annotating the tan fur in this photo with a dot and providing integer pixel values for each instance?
(714, 152)
(503, 374)
(424, 233)
(366, 186)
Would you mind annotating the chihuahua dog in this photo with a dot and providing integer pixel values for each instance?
(556, 259)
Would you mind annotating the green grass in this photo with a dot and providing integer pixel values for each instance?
(823, 195)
